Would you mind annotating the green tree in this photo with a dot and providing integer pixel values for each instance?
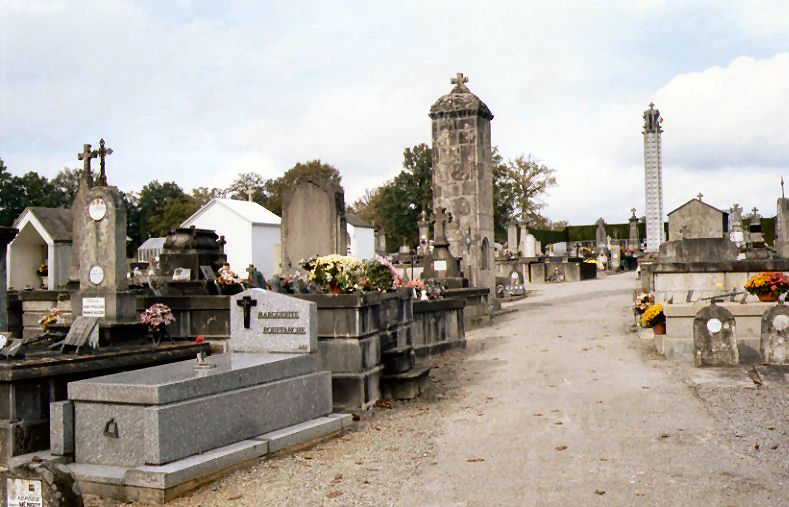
(67, 182)
(518, 188)
(245, 183)
(397, 205)
(10, 200)
(151, 202)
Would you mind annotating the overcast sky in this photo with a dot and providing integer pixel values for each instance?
(197, 91)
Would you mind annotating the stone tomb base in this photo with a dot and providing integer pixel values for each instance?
(160, 484)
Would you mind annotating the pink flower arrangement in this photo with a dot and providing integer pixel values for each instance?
(388, 265)
(157, 315)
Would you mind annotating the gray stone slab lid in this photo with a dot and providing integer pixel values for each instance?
(168, 383)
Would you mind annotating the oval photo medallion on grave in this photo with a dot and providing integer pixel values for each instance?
(780, 322)
(97, 208)
(714, 325)
(96, 275)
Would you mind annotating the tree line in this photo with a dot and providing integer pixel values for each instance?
(394, 207)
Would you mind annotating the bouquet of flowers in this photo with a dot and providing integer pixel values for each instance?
(415, 284)
(768, 283)
(50, 318)
(42, 270)
(380, 274)
(227, 277)
(643, 302)
(336, 273)
(652, 316)
(156, 316)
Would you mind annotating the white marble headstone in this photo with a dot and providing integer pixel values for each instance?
(265, 321)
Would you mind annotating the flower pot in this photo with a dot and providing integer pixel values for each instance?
(659, 329)
(768, 298)
(334, 289)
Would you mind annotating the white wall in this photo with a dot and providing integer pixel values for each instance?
(59, 267)
(362, 242)
(265, 238)
(25, 254)
(236, 230)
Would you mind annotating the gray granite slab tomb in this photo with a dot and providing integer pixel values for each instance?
(180, 381)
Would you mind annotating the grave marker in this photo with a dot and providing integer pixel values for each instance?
(714, 337)
(265, 321)
(775, 330)
(84, 330)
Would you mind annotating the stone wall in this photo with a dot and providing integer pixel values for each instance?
(438, 326)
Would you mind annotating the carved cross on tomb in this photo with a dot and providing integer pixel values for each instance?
(85, 156)
(103, 152)
(247, 303)
(459, 81)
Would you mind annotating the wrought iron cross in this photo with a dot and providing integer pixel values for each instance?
(85, 156)
(699, 196)
(754, 210)
(103, 152)
(247, 303)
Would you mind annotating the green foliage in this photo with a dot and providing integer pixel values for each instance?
(30, 189)
(397, 205)
(67, 182)
(153, 202)
(519, 185)
(379, 276)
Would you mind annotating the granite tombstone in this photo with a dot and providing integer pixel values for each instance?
(775, 331)
(714, 337)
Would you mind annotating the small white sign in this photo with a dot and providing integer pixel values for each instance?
(780, 322)
(96, 275)
(714, 325)
(23, 493)
(97, 208)
(440, 265)
(93, 307)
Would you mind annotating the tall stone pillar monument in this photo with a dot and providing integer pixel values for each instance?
(653, 178)
(463, 179)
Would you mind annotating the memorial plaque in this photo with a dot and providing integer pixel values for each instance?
(23, 493)
(714, 325)
(265, 321)
(208, 273)
(97, 209)
(83, 331)
(182, 274)
(93, 307)
(440, 265)
(96, 275)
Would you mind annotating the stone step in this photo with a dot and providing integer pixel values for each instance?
(405, 386)
(398, 360)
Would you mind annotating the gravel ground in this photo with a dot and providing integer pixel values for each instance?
(557, 403)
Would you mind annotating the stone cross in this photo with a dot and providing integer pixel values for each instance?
(250, 193)
(85, 156)
(221, 242)
(755, 210)
(699, 196)
(633, 211)
(247, 303)
(440, 219)
(251, 271)
(459, 80)
(103, 152)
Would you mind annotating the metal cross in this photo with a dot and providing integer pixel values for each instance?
(251, 271)
(460, 80)
(247, 303)
(85, 156)
(699, 196)
(103, 152)
(754, 210)
(221, 243)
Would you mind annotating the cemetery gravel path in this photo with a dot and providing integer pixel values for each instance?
(558, 403)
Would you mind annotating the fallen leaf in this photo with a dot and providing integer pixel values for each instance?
(561, 448)
(537, 414)
(480, 414)
(358, 462)
(585, 349)
(756, 446)
(234, 497)
(603, 459)
(334, 494)
(551, 385)
(355, 417)
(638, 493)
(644, 387)
(338, 477)
(558, 423)
(599, 492)
(365, 481)
(345, 439)
(474, 460)
(774, 447)
(308, 457)
(488, 397)
(383, 403)
(664, 435)
(543, 350)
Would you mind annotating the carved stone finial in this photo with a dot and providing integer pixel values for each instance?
(459, 81)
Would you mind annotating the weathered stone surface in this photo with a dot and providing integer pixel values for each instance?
(61, 428)
(265, 321)
(407, 385)
(775, 335)
(350, 355)
(49, 482)
(714, 337)
(356, 391)
(537, 272)
(696, 219)
(302, 432)
(313, 220)
(462, 170)
(438, 325)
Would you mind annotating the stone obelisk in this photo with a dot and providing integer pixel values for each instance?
(653, 178)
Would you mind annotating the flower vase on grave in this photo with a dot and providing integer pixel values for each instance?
(334, 288)
(659, 329)
(157, 333)
(769, 297)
